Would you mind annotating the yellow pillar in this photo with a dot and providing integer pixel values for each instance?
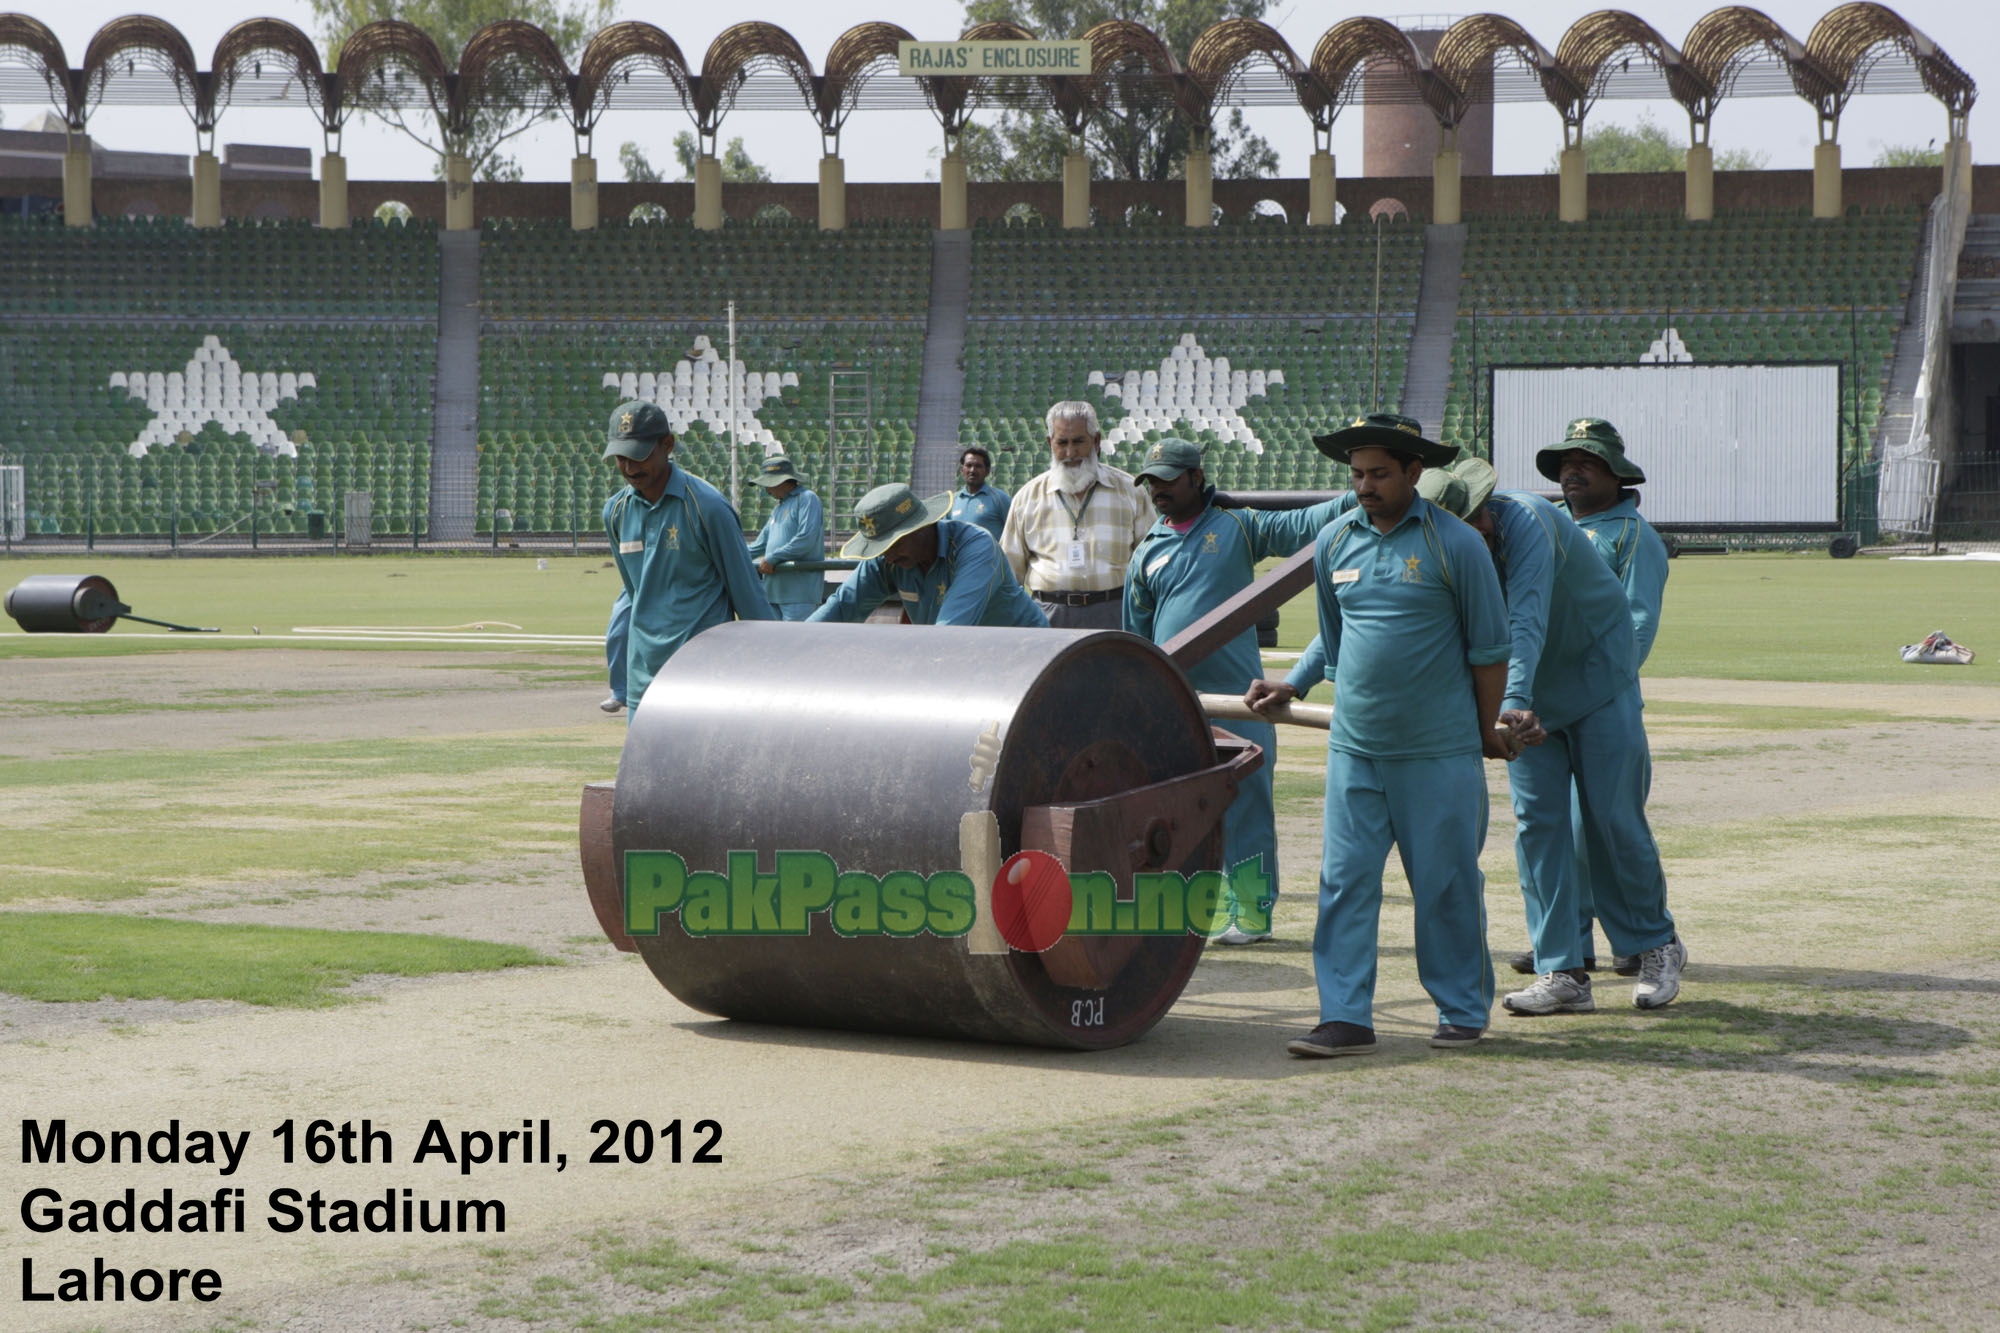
(707, 193)
(1445, 209)
(458, 215)
(207, 190)
(76, 182)
(1200, 188)
(951, 193)
(1320, 190)
(1701, 184)
(1076, 190)
(1826, 180)
(583, 193)
(332, 191)
(1573, 204)
(1958, 161)
(832, 194)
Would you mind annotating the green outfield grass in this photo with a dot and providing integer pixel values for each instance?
(58, 956)
(1801, 617)
(275, 594)
(1807, 1138)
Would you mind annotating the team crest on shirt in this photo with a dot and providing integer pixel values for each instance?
(1208, 546)
(1411, 572)
(673, 539)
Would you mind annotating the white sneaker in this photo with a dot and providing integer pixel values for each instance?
(1553, 993)
(1237, 935)
(1660, 975)
(612, 704)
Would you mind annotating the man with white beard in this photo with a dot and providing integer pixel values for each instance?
(1071, 530)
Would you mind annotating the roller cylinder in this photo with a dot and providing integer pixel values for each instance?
(874, 745)
(64, 604)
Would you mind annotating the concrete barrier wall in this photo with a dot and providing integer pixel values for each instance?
(1661, 192)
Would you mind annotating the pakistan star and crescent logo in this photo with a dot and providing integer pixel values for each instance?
(625, 423)
(674, 538)
(1411, 574)
(1580, 428)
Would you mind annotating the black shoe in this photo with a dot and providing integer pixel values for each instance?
(1590, 965)
(1451, 1037)
(1626, 964)
(1524, 963)
(1331, 1039)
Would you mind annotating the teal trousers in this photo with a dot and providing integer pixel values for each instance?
(1434, 812)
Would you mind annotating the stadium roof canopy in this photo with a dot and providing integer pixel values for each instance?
(512, 67)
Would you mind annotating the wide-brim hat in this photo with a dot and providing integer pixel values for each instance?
(1596, 436)
(1460, 488)
(777, 470)
(886, 515)
(1385, 430)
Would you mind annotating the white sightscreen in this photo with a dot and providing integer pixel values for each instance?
(1720, 445)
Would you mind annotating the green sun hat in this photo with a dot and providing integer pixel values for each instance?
(777, 470)
(1385, 430)
(888, 514)
(1460, 488)
(1168, 459)
(1593, 435)
(636, 427)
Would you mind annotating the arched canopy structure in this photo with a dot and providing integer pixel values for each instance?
(1717, 48)
(1221, 55)
(955, 99)
(513, 68)
(1468, 51)
(248, 48)
(1848, 41)
(856, 56)
(734, 55)
(611, 59)
(1345, 52)
(1588, 49)
(125, 46)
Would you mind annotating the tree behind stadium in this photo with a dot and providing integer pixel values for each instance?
(450, 23)
(1145, 143)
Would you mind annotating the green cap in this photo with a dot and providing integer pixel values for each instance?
(1593, 435)
(887, 514)
(1168, 458)
(1460, 488)
(1385, 430)
(777, 471)
(636, 427)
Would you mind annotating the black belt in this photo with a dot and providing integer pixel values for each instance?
(1079, 598)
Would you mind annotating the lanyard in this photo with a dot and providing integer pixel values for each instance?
(1076, 515)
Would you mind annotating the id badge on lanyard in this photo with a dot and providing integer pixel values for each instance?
(1076, 555)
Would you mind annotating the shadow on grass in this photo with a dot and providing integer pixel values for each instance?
(1716, 1034)
(1840, 978)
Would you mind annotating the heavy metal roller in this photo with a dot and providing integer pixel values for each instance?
(916, 751)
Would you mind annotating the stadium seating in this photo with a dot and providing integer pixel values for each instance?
(1763, 287)
(670, 270)
(1314, 372)
(544, 401)
(362, 423)
(138, 266)
(1250, 338)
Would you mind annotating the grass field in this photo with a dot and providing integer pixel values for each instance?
(317, 880)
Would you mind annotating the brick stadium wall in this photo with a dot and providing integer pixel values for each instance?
(1662, 192)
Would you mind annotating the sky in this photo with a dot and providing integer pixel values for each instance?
(897, 146)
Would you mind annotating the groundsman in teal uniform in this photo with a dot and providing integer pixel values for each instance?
(1573, 692)
(944, 572)
(1413, 635)
(1197, 556)
(678, 546)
